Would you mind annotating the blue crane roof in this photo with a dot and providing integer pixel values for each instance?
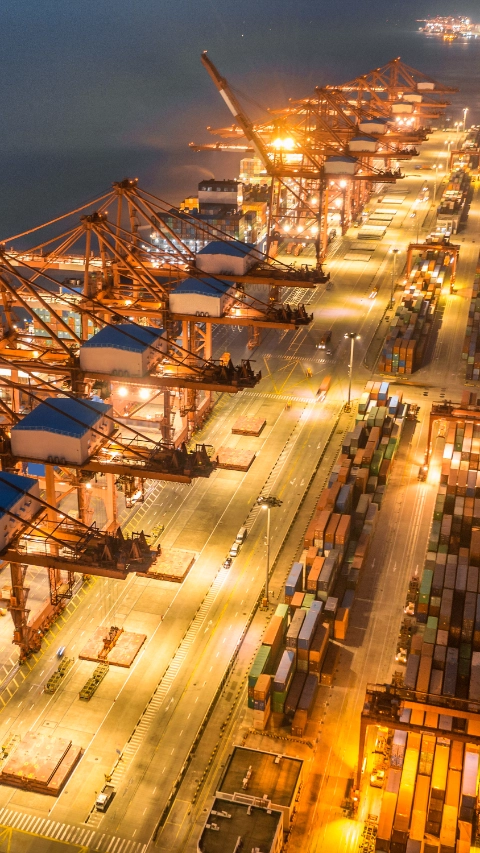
(233, 248)
(125, 336)
(205, 286)
(11, 488)
(58, 416)
(340, 159)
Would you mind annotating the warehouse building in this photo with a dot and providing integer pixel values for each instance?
(251, 774)
(237, 826)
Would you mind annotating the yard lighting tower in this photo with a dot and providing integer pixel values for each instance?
(435, 183)
(394, 275)
(267, 503)
(352, 337)
(465, 111)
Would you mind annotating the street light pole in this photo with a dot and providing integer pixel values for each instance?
(267, 503)
(352, 336)
(343, 186)
(435, 183)
(394, 274)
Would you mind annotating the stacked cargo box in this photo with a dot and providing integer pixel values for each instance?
(471, 347)
(303, 653)
(407, 336)
(453, 200)
(444, 661)
(430, 790)
(448, 606)
(268, 654)
(262, 696)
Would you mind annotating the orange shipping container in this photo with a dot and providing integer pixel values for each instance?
(274, 634)
(342, 534)
(314, 574)
(329, 539)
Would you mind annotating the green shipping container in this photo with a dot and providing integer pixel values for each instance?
(259, 665)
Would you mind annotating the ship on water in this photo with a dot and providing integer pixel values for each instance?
(450, 28)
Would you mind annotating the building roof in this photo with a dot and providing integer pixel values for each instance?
(228, 821)
(125, 336)
(205, 286)
(277, 780)
(11, 488)
(232, 248)
(58, 416)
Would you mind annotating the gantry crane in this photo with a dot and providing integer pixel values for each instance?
(297, 144)
(64, 546)
(300, 153)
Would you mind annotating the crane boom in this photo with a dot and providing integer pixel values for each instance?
(236, 110)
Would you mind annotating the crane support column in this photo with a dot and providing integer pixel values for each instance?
(111, 507)
(55, 574)
(166, 424)
(22, 633)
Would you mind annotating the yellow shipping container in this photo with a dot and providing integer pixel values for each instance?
(420, 805)
(448, 831)
(387, 813)
(440, 767)
(453, 788)
(407, 784)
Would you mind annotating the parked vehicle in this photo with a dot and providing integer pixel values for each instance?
(235, 549)
(241, 535)
(104, 798)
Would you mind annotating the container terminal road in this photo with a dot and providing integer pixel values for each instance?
(158, 735)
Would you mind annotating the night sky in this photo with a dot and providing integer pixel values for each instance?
(95, 90)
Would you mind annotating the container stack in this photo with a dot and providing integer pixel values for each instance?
(471, 347)
(407, 336)
(299, 648)
(430, 790)
(453, 201)
(443, 662)
(445, 653)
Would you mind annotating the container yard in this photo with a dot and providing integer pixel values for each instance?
(430, 766)
(452, 208)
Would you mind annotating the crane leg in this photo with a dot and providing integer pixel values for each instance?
(23, 636)
(112, 519)
(254, 339)
(60, 589)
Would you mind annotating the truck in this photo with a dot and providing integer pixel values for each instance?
(322, 391)
(104, 798)
(325, 339)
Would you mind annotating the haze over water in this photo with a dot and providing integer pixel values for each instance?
(119, 91)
